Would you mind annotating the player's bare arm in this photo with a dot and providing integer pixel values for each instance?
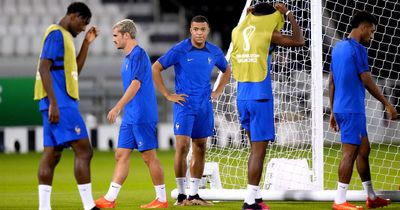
(44, 70)
(374, 91)
(89, 38)
(224, 80)
(157, 68)
(332, 120)
(296, 39)
(128, 95)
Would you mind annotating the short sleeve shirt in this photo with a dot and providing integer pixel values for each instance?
(142, 108)
(193, 66)
(349, 60)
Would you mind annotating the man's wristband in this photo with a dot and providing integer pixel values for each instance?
(287, 13)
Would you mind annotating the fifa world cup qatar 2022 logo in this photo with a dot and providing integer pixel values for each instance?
(245, 56)
(247, 33)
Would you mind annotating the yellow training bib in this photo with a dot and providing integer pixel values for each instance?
(70, 66)
(251, 40)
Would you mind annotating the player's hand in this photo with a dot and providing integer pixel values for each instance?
(333, 124)
(215, 95)
(177, 98)
(281, 8)
(392, 112)
(113, 114)
(91, 35)
(249, 10)
(54, 114)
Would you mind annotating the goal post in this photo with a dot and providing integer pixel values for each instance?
(305, 147)
(317, 94)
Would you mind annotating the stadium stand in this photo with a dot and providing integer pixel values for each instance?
(23, 22)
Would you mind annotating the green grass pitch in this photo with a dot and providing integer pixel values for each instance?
(18, 184)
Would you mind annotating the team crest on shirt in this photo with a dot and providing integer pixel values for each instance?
(177, 126)
(77, 130)
(74, 75)
(209, 60)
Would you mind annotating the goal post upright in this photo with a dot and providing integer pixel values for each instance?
(317, 95)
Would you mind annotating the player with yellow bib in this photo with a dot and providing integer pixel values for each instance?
(254, 40)
(56, 89)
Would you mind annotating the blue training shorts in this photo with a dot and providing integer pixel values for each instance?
(194, 119)
(352, 127)
(70, 127)
(257, 117)
(138, 136)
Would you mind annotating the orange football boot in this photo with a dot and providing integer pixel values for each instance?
(346, 206)
(155, 204)
(104, 203)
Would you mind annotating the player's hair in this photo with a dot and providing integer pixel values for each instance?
(263, 8)
(362, 17)
(126, 26)
(82, 9)
(199, 19)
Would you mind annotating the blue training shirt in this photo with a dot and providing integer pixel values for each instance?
(349, 60)
(53, 49)
(193, 66)
(142, 108)
(257, 90)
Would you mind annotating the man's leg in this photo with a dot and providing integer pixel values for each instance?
(255, 168)
(121, 171)
(256, 162)
(197, 164)
(83, 155)
(122, 163)
(349, 155)
(362, 163)
(363, 169)
(157, 177)
(50, 158)
(156, 173)
(196, 171)
(180, 166)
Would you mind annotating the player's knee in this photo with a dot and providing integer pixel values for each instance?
(150, 160)
(258, 154)
(56, 158)
(364, 151)
(349, 157)
(200, 147)
(200, 150)
(44, 173)
(85, 155)
(364, 154)
(182, 149)
(121, 157)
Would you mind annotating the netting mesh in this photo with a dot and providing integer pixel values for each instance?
(291, 76)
